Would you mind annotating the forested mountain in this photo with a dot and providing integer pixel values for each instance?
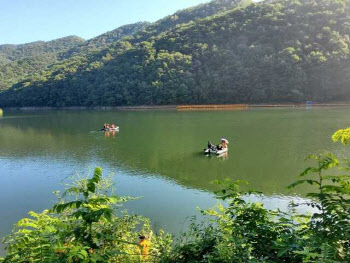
(272, 51)
(39, 48)
(117, 34)
(29, 60)
(189, 14)
(104, 40)
(19, 62)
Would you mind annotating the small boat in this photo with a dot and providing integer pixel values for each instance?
(213, 149)
(110, 129)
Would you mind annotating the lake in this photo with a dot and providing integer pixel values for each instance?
(157, 155)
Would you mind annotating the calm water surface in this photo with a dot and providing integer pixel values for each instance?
(157, 155)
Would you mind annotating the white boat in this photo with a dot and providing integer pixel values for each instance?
(213, 149)
(111, 129)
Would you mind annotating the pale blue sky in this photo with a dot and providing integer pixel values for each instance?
(23, 21)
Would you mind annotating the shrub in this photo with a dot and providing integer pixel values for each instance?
(84, 226)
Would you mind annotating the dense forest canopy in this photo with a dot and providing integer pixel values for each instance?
(189, 14)
(15, 52)
(19, 62)
(97, 43)
(226, 51)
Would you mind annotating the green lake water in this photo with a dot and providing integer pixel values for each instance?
(157, 155)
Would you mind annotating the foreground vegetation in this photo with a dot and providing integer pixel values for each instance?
(87, 226)
(226, 51)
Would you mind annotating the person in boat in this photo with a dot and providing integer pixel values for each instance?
(105, 126)
(223, 144)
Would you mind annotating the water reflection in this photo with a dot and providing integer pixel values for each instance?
(269, 148)
(223, 156)
(110, 134)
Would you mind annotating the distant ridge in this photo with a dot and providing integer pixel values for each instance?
(15, 52)
(106, 39)
(18, 62)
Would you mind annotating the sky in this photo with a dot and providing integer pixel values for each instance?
(23, 21)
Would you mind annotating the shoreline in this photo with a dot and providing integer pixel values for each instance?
(120, 108)
(183, 107)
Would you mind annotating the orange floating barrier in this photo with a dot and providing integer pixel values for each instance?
(213, 107)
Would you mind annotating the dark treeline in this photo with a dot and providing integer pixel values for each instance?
(229, 52)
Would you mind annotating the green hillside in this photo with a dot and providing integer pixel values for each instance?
(19, 62)
(39, 48)
(97, 43)
(29, 60)
(187, 15)
(272, 51)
